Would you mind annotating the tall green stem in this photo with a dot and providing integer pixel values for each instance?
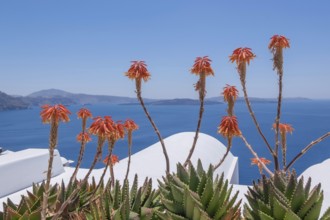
(224, 156)
(138, 92)
(307, 148)
(256, 155)
(98, 154)
(129, 153)
(202, 82)
(108, 164)
(52, 146)
(81, 156)
(247, 101)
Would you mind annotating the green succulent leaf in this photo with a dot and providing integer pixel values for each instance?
(326, 214)
(314, 212)
(207, 193)
(264, 216)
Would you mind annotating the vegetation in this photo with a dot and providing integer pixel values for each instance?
(190, 192)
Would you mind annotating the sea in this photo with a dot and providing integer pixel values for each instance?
(21, 129)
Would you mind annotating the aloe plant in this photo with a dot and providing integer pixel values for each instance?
(194, 194)
(121, 202)
(284, 197)
(30, 206)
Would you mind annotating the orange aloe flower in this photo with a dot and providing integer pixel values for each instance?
(278, 41)
(114, 159)
(110, 123)
(255, 161)
(202, 65)
(130, 125)
(82, 136)
(284, 128)
(230, 93)
(229, 127)
(138, 70)
(119, 132)
(56, 113)
(242, 55)
(100, 128)
(84, 113)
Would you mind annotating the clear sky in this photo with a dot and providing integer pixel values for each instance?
(85, 46)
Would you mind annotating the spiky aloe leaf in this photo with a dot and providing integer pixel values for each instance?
(202, 183)
(134, 188)
(285, 198)
(136, 206)
(193, 180)
(264, 216)
(279, 210)
(207, 194)
(214, 203)
(308, 204)
(177, 193)
(172, 206)
(183, 174)
(205, 201)
(314, 212)
(117, 195)
(291, 216)
(298, 196)
(326, 215)
(190, 203)
(291, 186)
(200, 169)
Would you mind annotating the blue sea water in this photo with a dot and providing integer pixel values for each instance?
(23, 129)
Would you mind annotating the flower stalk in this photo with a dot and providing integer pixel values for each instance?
(229, 125)
(53, 115)
(83, 138)
(307, 148)
(261, 162)
(99, 128)
(137, 72)
(276, 46)
(242, 57)
(129, 126)
(202, 68)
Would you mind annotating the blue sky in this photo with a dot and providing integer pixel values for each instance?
(86, 46)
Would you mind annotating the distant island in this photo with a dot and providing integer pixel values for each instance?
(8, 102)
(54, 96)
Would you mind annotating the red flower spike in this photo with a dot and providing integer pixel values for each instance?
(242, 55)
(284, 128)
(57, 113)
(100, 128)
(202, 65)
(114, 159)
(278, 41)
(84, 113)
(138, 70)
(255, 161)
(130, 125)
(84, 136)
(229, 127)
(230, 93)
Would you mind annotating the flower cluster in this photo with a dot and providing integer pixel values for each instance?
(202, 65)
(259, 161)
(138, 70)
(54, 113)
